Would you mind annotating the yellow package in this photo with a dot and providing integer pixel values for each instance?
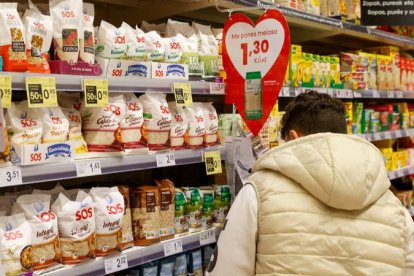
(348, 116)
(317, 76)
(296, 65)
(382, 69)
(307, 72)
(372, 69)
(314, 7)
(334, 72)
(395, 161)
(403, 158)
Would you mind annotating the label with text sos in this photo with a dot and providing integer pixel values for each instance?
(169, 71)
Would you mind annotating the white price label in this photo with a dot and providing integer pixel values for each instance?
(217, 88)
(208, 237)
(116, 264)
(390, 94)
(399, 94)
(285, 91)
(165, 159)
(172, 248)
(88, 168)
(347, 93)
(375, 94)
(11, 176)
(357, 94)
(298, 91)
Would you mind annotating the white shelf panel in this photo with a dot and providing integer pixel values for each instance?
(391, 134)
(136, 256)
(401, 172)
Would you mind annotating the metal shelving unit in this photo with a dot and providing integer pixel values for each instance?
(391, 134)
(401, 172)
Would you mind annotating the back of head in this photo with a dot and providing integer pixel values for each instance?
(312, 112)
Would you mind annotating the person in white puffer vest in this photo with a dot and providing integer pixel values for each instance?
(318, 204)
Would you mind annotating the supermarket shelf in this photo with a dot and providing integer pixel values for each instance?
(109, 165)
(383, 135)
(136, 256)
(115, 84)
(401, 172)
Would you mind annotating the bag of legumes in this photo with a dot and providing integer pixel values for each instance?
(131, 125)
(111, 41)
(87, 37)
(76, 227)
(109, 209)
(67, 28)
(15, 244)
(45, 250)
(179, 125)
(157, 121)
(12, 41)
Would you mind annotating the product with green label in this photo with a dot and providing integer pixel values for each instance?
(221, 207)
(253, 96)
(207, 50)
(193, 208)
(208, 204)
(181, 226)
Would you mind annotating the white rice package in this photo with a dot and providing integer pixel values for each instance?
(55, 125)
(75, 129)
(207, 50)
(67, 28)
(136, 43)
(131, 125)
(111, 41)
(87, 36)
(24, 124)
(196, 125)
(211, 137)
(179, 125)
(155, 47)
(159, 28)
(45, 251)
(15, 241)
(109, 211)
(174, 48)
(101, 126)
(76, 227)
(39, 34)
(157, 121)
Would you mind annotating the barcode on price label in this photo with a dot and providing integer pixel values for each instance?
(116, 264)
(208, 237)
(165, 159)
(10, 176)
(88, 168)
(172, 248)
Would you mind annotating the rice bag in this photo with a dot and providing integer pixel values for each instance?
(67, 26)
(211, 137)
(75, 129)
(157, 121)
(196, 125)
(38, 34)
(207, 50)
(87, 36)
(179, 125)
(136, 45)
(55, 125)
(111, 41)
(131, 125)
(12, 41)
(155, 47)
(174, 48)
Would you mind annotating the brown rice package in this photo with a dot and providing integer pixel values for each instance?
(167, 211)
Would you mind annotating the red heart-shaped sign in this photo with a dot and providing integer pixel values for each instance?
(254, 57)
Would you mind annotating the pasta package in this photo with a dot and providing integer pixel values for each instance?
(55, 125)
(155, 47)
(111, 41)
(101, 126)
(145, 204)
(38, 34)
(12, 41)
(127, 234)
(109, 210)
(196, 125)
(131, 125)
(207, 50)
(211, 137)
(167, 208)
(45, 250)
(136, 43)
(157, 121)
(76, 225)
(67, 26)
(24, 124)
(87, 37)
(15, 244)
(75, 129)
(179, 125)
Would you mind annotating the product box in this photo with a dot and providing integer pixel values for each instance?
(357, 117)
(307, 72)
(78, 68)
(382, 71)
(385, 50)
(334, 8)
(313, 7)
(296, 65)
(355, 81)
(374, 122)
(325, 66)
(335, 74)
(169, 71)
(372, 69)
(404, 74)
(348, 116)
(34, 154)
(351, 11)
(316, 70)
(124, 68)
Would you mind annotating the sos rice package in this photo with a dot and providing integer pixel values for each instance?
(207, 50)
(87, 37)
(101, 126)
(136, 43)
(109, 210)
(76, 227)
(55, 125)
(131, 125)
(45, 249)
(211, 137)
(38, 34)
(155, 47)
(75, 129)
(157, 121)
(196, 125)
(174, 48)
(12, 41)
(24, 124)
(179, 125)
(15, 243)
(111, 41)
(67, 27)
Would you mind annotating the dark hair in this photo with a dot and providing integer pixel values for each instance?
(312, 112)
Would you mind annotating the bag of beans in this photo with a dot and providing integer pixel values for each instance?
(196, 125)
(127, 234)
(109, 211)
(131, 125)
(167, 211)
(179, 125)
(145, 205)
(87, 36)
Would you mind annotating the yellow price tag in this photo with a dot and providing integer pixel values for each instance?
(182, 93)
(41, 91)
(5, 91)
(96, 92)
(213, 162)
